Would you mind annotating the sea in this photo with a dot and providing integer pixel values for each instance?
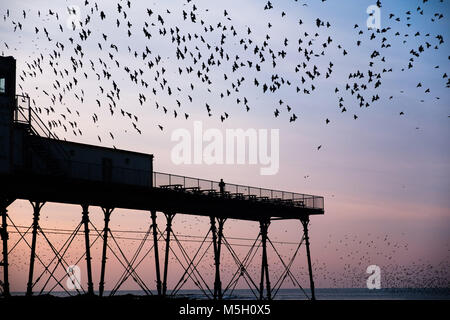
(296, 294)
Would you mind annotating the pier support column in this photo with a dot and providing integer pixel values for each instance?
(219, 246)
(4, 203)
(37, 206)
(107, 212)
(216, 262)
(155, 248)
(264, 226)
(217, 242)
(85, 221)
(169, 217)
(308, 255)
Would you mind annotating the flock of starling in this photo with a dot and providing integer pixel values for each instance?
(221, 59)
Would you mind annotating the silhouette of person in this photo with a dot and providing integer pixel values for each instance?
(222, 186)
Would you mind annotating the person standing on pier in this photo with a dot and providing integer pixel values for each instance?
(222, 187)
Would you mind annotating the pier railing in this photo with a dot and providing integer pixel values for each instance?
(195, 185)
(24, 113)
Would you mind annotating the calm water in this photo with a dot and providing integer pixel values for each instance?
(346, 294)
(321, 294)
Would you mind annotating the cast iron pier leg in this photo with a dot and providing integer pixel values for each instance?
(107, 212)
(37, 206)
(169, 217)
(219, 246)
(264, 225)
(308, 255)
(88, 248)
(155, 247)
(216, 262)
(4, 236)
(217, 241)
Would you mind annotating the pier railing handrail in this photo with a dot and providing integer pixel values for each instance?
(167, 180)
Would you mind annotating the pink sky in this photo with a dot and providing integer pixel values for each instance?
(385, 177)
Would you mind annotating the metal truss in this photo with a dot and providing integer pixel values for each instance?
(214, 240)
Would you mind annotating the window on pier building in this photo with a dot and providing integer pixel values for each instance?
(2, 86)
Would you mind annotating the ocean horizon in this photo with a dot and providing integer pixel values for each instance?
(296, 294)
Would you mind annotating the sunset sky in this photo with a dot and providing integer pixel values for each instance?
(385, 176)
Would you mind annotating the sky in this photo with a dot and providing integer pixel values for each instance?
(385, 176)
